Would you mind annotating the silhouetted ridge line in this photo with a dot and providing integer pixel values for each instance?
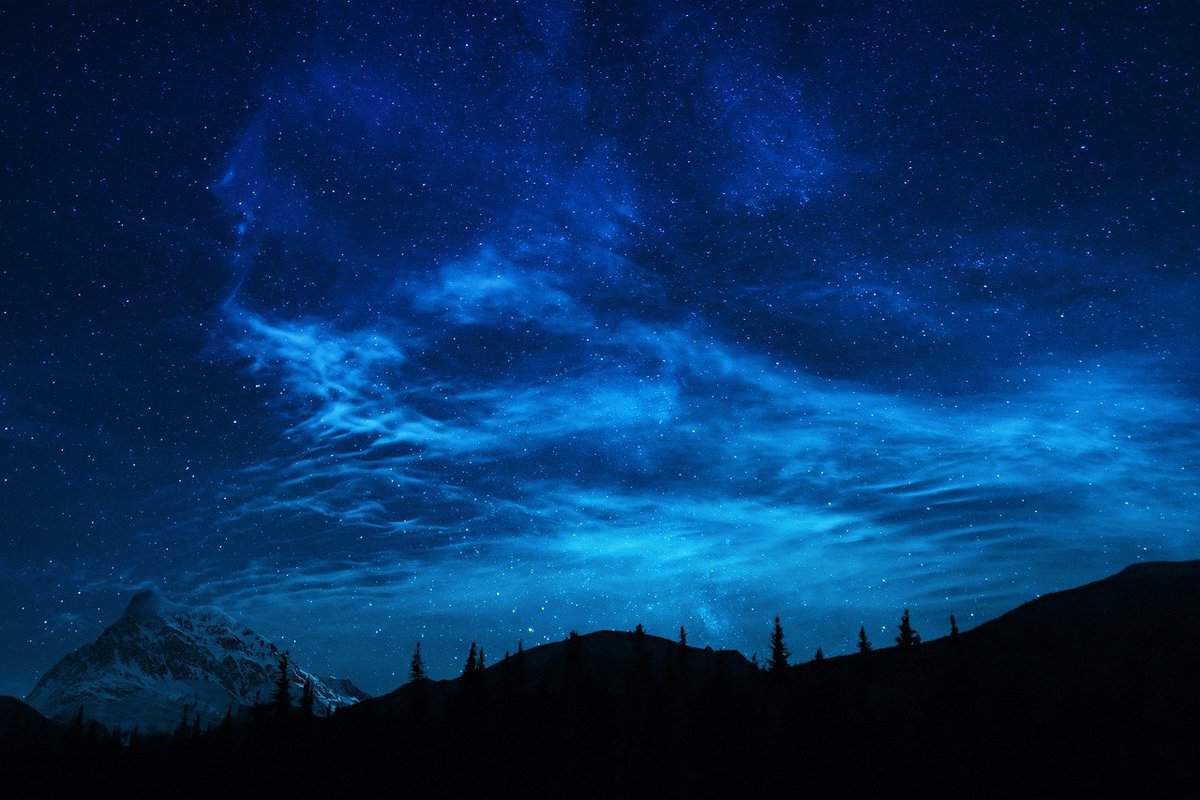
(1072, 693)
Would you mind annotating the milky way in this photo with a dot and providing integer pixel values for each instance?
(490, 322)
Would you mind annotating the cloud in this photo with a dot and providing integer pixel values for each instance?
(491, 290)
(524, 375)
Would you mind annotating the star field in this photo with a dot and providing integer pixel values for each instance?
(489, 321)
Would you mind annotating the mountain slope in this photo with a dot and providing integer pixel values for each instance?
(1138, 606)
(605, 658)
(160, 657)
(1072, 694)
(21, 721)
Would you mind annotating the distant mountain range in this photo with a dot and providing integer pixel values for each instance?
(160, 658)
(1072, 694)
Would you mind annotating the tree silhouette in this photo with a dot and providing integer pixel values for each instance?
(283, 690)
(908, 638)
(574, 656)
(682, 637)
(181, 731)
(953, 627)
(864, 644)
(472, 662)
(416, 667)
(639, 632)
(482, 663)
(519, 664)
(306, 697)
(418, 678)
(77, 723)
(819, 656)
(777, 662)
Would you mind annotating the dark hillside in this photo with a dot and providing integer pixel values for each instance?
(1076, 692)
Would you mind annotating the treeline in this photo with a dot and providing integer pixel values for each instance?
(630, 715)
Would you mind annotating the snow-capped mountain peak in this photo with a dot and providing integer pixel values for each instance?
(160, 657)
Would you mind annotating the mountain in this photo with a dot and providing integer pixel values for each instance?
(607, 660)
(160, 657)
(1073, 694)
(1137, 608)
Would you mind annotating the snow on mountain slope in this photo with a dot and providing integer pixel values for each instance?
(160, 657)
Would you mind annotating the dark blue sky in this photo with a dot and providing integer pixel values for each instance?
(464, 321)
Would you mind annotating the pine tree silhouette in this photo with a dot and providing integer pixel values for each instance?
(416, 667)
(472, 662)
(519, 665)
(419, 680)
(639, 632)
(819, 656)
(864, 644)
(953, 627)
(777, 662)
(283, 689)
(482, 663)
(908, 638)
(306, 697)
(682, 637)
(77, 723)
(184, 727)
(574, 657)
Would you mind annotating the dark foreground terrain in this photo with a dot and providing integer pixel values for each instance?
(1095, 691)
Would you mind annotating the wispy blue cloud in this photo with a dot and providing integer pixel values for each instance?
(525, 378)
(722, 479)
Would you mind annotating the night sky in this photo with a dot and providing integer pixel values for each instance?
(463, 321)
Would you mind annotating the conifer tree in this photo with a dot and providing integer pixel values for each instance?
(77, 723)
(416, 667)
(184, 726)
(283, 689)
(864, 644)
(482, 663)
(819, 656)
(908, 638)
(777, 662)
(472, 664)
(306, 697)
(953, 627)
(639, 632)
(519, 664)
(574, 657)
(682, 637)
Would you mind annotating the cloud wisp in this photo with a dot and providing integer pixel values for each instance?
(514, 348)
